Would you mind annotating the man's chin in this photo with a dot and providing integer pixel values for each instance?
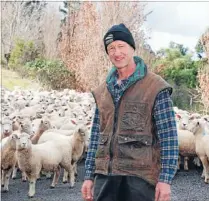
(119, 65)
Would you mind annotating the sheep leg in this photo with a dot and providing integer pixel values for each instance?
(75, 171)
(65, 177)
(2, 178)
(203, 174)
(24, 177)
(32, 187)
(14, 173)
(186, 163)
(205, 167)
(56, 177)
(48, 175)
(179, 162)
(7, 175)
(72, 176)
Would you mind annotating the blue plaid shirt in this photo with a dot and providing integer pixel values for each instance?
(166, 130)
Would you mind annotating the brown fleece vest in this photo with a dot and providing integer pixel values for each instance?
(128, 143)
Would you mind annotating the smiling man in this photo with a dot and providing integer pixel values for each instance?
(133, 150)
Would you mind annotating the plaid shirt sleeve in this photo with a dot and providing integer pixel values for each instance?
(90, 160)
(167, 133)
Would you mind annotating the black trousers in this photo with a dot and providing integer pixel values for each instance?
(122, 188)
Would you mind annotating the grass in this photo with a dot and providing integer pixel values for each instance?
(9, 79)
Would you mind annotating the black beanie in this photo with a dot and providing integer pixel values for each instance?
(118, 32)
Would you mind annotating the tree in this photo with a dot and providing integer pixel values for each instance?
(81, 46)
(199, 49)
(21, 19)
(177, 66)
(203, 73)
(50, 31)
(183, 50)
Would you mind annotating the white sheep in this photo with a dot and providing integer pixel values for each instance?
(6, 127)
(201, 145)
(78, 141)
(8, 159)
(43, 125)
(31, 159)
(186, 143)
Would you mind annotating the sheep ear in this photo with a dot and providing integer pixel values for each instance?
(32, 118)
(178, 116)
(191, 118)
(206, 119)
(14, 136)
(73, 122)
(88, 123)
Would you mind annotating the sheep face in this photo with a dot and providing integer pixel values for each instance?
(44, 125)
(196, 126)
(7, 128)
(26, 126)
(22, 140)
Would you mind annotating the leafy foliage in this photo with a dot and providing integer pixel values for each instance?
(22, 52)
(51, 74)
(178, 66)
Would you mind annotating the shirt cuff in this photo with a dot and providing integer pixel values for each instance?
(165, 178)
(89, 176)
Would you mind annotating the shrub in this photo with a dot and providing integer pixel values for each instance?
(51, 74)
(22, 52)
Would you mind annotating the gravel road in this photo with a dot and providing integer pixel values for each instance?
(187, 186)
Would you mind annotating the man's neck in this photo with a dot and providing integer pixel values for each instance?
(125, 72)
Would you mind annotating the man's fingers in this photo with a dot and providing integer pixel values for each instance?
(84, 192)
(88, 194)
(157, 194)
(164, 197)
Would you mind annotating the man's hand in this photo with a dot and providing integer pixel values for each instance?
(87, 190)
(162, 192)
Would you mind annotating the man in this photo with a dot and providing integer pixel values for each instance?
(133, 149)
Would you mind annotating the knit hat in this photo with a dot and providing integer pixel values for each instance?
(118, 32)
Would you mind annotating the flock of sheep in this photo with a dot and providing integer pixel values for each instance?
(193, 137)
(45, 131)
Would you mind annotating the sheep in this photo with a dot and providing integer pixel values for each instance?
(183, 121)
(201, 145)
(206, 121)
(186, 146)
(79, 147)
(31, 159)
(8, 159)
(38, 123)
(78, 142)
(6, 128)
(44, 124)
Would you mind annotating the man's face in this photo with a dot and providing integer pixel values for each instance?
(120, 53)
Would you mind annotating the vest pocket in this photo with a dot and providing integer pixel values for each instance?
(102, 147)
(134, 151)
